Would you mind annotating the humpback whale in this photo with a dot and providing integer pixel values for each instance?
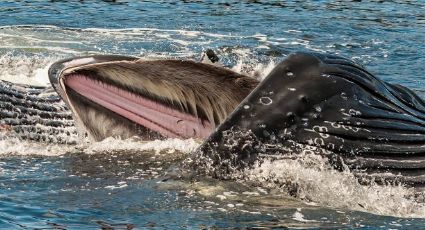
(310, 103)
(327, 105)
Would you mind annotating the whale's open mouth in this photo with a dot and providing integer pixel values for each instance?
(125, 96)
(154, 115)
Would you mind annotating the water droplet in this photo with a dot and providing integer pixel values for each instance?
(344, 96)
(318, 109)
(289, 74)
(246, 107)
(266, 100)
(354, 112)
(292, 89)
(303, 98)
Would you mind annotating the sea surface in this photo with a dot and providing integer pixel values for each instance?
(131, 184)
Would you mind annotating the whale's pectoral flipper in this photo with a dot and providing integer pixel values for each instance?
(328, 104)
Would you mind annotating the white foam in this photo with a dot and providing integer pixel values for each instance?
(246, 64)
(298, 216)
(41, 48)
(37, 40)
(261, 37)
(314, 180)
(63, 42)
(29, 26)
(14, 146)
(22, 69)
(145, 30)
(170, 145)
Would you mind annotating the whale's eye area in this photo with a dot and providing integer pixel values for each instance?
(151, 114)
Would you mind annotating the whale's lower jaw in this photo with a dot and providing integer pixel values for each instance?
(35, 113)
(99, 122)
(112, 107)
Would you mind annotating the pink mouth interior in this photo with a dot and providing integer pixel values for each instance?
(153, 115)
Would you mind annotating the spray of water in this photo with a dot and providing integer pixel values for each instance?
(23, 69)
(311, 178)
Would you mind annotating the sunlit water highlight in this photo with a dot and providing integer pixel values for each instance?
(132, 183)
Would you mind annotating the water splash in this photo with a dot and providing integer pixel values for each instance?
(15, 146)
(247, 63)
(26, 69)
(312, 179)
(169, 145)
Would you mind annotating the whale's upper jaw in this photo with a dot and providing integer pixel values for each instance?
(124, 96)
(58, 67)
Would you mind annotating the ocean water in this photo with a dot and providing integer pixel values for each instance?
(125, 184)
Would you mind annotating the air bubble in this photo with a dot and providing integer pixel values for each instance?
(292, 89)
(289, 74)
(266, 100)
(246, 107)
